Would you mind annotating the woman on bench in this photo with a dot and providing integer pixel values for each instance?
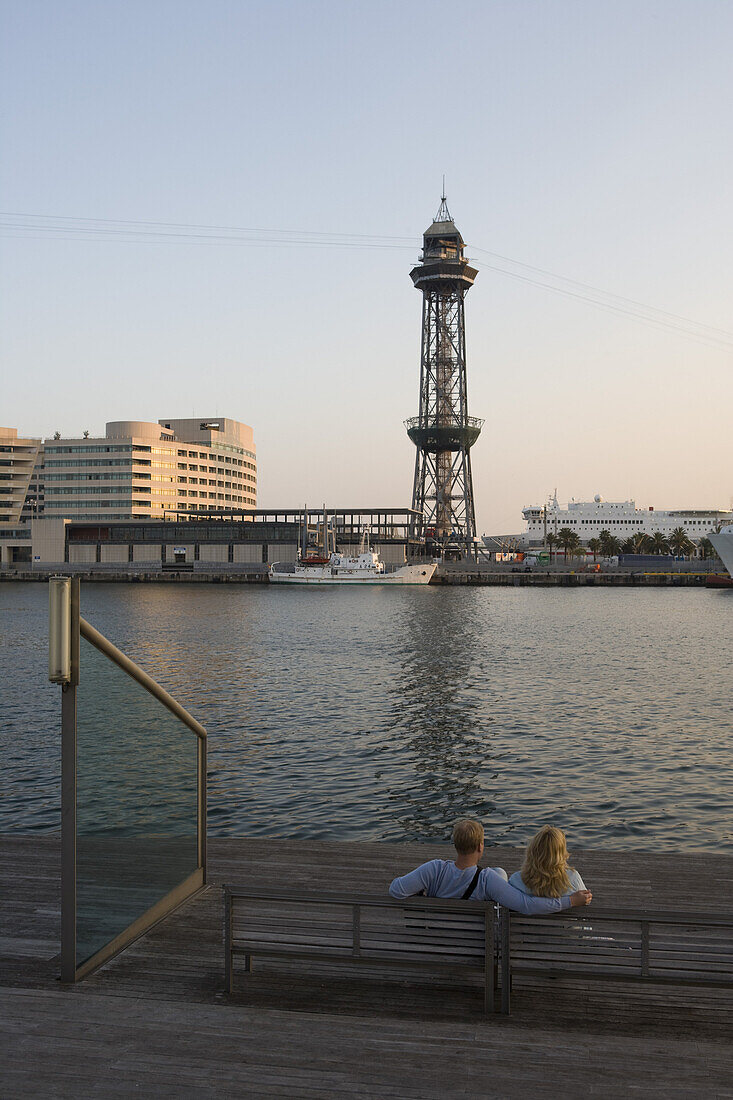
(463, 878)
(545, 872)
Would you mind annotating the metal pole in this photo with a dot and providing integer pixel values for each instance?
(202, 804)
(68, 800)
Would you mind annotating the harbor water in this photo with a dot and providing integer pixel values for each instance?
(386, 713)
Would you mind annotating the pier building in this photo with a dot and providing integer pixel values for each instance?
(253, 538)
(443, 432)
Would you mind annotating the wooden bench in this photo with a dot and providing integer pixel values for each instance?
(617, 945)
(461, 937)
(425, 934)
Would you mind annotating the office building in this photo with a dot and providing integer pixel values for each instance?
(17, 464)
(142, 470)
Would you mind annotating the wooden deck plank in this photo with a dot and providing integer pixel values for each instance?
(155, 1021)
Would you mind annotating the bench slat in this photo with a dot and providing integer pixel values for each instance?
(275, 950)
(252, 945)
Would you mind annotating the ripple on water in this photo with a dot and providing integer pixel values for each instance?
(386, 714)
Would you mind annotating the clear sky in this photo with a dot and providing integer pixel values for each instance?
(588, 139)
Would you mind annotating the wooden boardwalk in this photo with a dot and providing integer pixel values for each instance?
(155, 1022)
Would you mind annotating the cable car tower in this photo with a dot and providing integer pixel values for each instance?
(443, 432)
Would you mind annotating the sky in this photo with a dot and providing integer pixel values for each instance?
(589, 140)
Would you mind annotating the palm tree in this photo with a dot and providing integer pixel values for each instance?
(706, 549)
(641, 543)
(627, 546)
(551, 540)
(658, 543)
(609, 544)
(594, 545)
(569, 540)
(680, 542)
(577, 551)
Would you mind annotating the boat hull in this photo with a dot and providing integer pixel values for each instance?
(407, 574)
(723, 543)
(719, 580)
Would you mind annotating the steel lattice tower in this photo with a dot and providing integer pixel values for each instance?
(443, 432)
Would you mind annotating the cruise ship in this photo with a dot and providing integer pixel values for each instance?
(621, 518)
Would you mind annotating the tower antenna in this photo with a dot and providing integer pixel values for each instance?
(443, 214)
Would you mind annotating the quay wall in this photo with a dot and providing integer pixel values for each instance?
(132, 575)
(210, 572)
(608, 579)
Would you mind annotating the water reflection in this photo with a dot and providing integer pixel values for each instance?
(443, 719)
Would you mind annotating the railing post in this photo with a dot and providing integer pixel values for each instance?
(68, 797)
(202, 777)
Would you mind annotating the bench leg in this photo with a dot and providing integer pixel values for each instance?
(489, 963)
(506, 977)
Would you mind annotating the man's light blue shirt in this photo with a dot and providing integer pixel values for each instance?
(440, 878)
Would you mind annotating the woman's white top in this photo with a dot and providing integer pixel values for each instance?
(576, 883)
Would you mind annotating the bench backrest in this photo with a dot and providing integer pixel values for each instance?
(660, 946)
(418, 929)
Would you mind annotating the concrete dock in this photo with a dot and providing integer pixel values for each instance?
(156, 1022)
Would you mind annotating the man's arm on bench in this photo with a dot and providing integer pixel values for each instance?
(494, 887)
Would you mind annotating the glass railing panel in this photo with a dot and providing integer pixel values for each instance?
(137, 802)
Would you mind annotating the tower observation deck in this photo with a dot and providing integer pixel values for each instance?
(443, 432)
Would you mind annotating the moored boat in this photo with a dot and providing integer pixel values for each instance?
(363, 568)
(319, 562)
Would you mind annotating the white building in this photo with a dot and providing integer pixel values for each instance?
(621, 518)
(141, 470)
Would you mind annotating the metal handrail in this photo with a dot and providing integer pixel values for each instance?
(436, 422)
(114, 654)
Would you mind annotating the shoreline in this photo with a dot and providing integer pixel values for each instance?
(474, 577)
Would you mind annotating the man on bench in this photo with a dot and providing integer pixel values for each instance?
(463, 878)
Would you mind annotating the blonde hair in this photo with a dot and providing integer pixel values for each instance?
(468, 835)
(545, 867)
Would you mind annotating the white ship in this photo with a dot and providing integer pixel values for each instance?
(621, 518)
(723, 544)
(323, 564)
(364, 568)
